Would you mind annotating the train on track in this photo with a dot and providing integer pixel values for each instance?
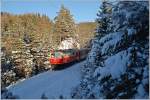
(61, 57)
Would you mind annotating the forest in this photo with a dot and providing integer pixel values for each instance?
(27, 39)
(116, 67)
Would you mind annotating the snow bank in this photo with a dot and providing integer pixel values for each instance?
(52, 83)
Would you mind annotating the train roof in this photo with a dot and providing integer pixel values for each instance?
(70, 50)
(64, 49)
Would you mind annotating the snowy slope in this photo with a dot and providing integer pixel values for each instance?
(51, 83)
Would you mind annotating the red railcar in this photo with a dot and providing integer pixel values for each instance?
(59, 57)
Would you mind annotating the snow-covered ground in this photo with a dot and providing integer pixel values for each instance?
(51, 83)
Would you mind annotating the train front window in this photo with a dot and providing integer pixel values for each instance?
(62, 53)
(58, 54)
(69, 52)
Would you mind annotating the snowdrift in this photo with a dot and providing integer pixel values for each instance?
(52, 84)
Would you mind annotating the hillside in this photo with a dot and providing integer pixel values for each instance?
(53, 84)
(26, 42)
(86, 32)
(116, 66)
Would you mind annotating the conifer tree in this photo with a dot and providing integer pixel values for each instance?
(64, 25)
(104, 19)
(124, 54)
(103, 27)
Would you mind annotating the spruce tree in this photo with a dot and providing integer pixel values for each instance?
(103, 26)
(64, 25)
(104, 19)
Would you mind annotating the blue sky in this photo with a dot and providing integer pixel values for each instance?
(82, 10)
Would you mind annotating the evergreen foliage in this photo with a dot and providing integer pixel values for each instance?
(64, 25)
(20, 35)
(121, 70)
(27, 28)
(104, 19)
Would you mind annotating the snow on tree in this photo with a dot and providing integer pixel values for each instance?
(103, 20)
(121, 70)
(69, 43)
